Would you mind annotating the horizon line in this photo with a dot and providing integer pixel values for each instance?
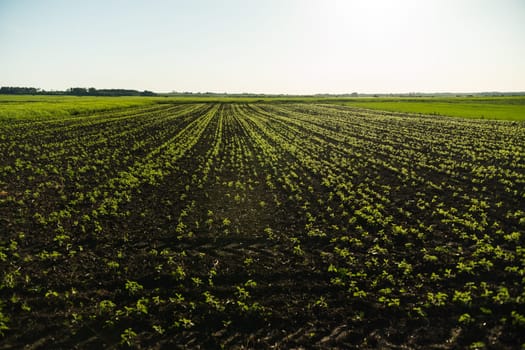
(176, 92)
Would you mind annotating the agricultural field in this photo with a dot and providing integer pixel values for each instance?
(57, 107)
(499, 107)
(260, 225)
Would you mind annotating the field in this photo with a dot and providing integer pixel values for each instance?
(504, 108)
(16, 107)
(134, 223)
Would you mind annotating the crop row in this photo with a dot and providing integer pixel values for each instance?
(256, 224)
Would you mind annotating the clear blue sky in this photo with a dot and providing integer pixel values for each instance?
(265, 46)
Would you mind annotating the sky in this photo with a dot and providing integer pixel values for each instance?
(265, 46)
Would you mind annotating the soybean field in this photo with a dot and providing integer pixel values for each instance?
(261, 225)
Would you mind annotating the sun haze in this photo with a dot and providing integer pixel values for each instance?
(272, 46)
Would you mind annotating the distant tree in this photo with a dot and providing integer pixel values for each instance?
(14, 90)
(77, 91)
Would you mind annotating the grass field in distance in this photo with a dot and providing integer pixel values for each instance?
(502, 108)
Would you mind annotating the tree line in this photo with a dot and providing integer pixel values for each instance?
(76, 91)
